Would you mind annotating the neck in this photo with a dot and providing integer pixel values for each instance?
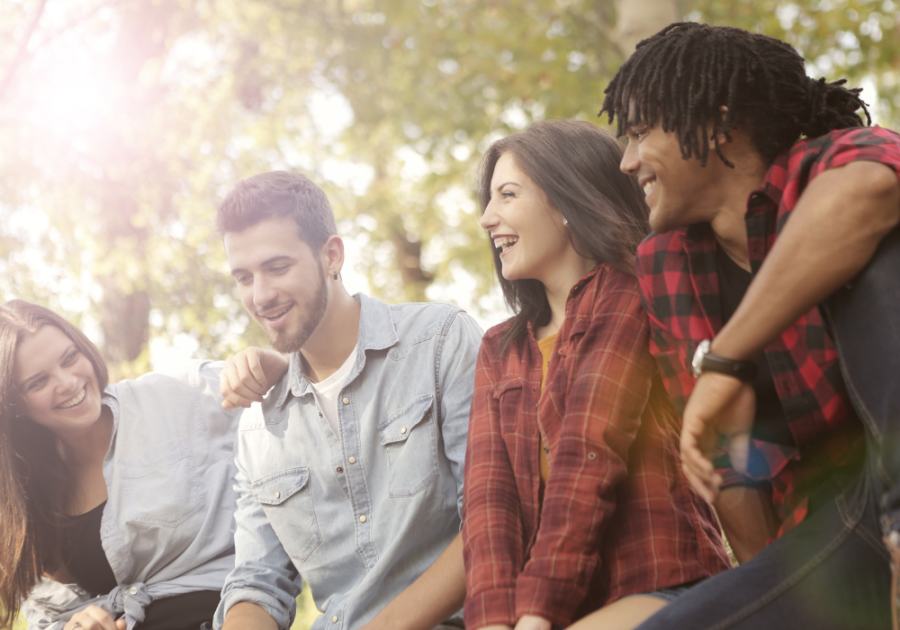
(728, 205)
(334, 338)
(88, 448)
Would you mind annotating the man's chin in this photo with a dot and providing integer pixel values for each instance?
(283, 342)
(660, 223)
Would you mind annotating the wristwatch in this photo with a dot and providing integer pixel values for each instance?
(705, 361)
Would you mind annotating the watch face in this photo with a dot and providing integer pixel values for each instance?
(697, 362)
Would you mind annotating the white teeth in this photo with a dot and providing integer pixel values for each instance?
(73, 401)
(278, 314)
(649, 186)
(505, 242)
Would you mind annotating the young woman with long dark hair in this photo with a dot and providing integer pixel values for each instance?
(115, 499)
(575, 500)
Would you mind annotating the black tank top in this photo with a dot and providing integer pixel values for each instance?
(770, 423)
(85, 561)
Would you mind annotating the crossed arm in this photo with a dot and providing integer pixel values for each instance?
(832, 234)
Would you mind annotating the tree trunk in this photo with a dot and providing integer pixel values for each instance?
(639, 19)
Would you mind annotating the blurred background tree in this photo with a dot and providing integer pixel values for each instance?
(123, 123)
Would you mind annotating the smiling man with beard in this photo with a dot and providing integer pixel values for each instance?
(350, 471)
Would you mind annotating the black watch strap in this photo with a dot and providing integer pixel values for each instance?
(705, 361)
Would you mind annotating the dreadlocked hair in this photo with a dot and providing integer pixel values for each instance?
(682, 76)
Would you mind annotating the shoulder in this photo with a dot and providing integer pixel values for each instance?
(495, 333)
(657, 250)
(418, 321)
(610, 292)
(842, 146)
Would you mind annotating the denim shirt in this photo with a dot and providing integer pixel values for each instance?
(167, 526)
(362, 514)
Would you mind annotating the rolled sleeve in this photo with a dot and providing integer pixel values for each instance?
(263, 572)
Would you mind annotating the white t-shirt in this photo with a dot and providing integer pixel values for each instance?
(327, 392)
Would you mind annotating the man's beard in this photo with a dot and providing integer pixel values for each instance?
(284, 341)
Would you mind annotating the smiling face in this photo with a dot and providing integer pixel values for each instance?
(281, 281)
(675, 188)
(524, 225)
(57, 383)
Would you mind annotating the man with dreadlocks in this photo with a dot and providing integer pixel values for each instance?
(772, 289)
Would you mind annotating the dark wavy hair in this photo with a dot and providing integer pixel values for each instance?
(684, 74)
(34, 480)
(576, 164)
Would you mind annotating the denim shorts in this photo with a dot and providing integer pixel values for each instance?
(670, 594)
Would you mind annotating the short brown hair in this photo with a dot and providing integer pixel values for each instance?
(278, 194)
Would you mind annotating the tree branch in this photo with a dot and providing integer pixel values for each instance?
(23, 49)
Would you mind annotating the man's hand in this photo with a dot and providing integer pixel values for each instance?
(532, 622)
(249, 374)
(94, 618)
(719, 405)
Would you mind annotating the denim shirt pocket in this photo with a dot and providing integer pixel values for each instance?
(162, 487)
(411, 447)
(286, 499)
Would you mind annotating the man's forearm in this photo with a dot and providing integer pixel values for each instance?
(830, 236)
(747, 518)
(248, 616)
(432, 598)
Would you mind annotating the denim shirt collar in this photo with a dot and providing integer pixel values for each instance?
(376, 332)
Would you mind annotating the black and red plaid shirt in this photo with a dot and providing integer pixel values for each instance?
(618, 516)
(680, 288)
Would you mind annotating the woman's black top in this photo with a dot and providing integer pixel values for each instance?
(83, 554)
(770, 423)
(85, 561)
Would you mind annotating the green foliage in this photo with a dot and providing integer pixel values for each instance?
(106, 211)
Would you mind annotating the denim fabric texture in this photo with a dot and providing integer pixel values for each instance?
(167, 527)
(362, 514)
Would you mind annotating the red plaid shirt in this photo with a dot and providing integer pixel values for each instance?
(618, 516)
(680, 287)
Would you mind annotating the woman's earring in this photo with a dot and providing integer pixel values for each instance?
(565, 222)
(335, 275)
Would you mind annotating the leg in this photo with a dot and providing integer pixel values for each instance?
(828, 573)
(865, 322)
(624, 614)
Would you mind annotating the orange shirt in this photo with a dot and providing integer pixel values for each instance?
(546, 346)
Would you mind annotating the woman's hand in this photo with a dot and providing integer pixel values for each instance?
(249, 374)
(94, 618)
(532, 622)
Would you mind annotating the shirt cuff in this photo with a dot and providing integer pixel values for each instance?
(497, 606)
(272, 605)
(554, 600)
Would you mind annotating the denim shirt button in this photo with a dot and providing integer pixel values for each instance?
(363, 519)
(133, 590)
(339, 469)
(277, 495)
(345, 400)
(334, 619)
(351, 459)
(403, 431)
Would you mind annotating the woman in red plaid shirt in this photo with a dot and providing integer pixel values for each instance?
(575, 500)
